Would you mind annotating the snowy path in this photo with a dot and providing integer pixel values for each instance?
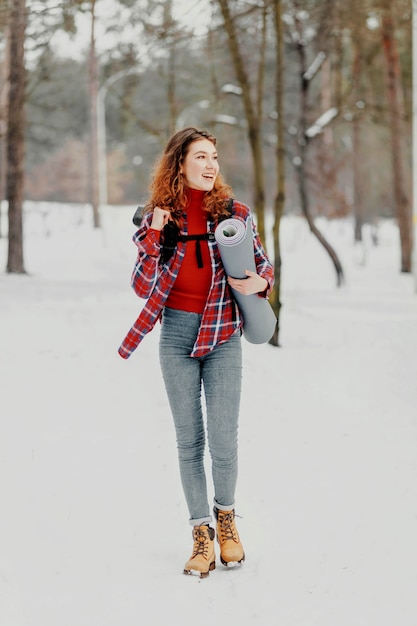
(93, 527)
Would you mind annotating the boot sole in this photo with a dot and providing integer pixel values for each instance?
(226, 563)
(194, 572)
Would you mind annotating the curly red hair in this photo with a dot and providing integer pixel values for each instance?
(167, 187)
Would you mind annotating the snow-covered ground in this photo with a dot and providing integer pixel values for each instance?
(93, 526)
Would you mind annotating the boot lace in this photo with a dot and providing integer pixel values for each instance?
(201, 543)
(227, 527)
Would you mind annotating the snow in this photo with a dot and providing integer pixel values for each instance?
(93, 525)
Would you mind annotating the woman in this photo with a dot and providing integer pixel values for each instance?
(180, 273)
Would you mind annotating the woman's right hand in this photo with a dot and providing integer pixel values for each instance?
(160, 218)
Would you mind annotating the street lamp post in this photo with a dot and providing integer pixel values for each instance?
(101, 129)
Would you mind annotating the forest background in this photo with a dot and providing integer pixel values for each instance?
(311, 101)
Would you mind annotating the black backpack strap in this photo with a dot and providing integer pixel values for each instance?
(197, 239)
(202, 237)
(171, 234)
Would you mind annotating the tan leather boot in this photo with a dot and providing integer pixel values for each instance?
(203, 558)
(231, 549)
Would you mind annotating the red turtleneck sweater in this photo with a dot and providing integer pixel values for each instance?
(190, 290)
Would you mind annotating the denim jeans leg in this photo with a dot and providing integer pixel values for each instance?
(222, 379)
(182, 378)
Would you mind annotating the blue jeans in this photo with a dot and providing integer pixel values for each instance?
(219, 373)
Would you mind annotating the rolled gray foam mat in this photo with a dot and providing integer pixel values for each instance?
(234, 239)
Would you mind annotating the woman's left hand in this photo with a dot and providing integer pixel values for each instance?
(247, 286)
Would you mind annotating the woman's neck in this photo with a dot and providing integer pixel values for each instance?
(195, 195)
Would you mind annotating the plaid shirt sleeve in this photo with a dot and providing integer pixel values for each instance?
(151, 280)
(145, 271)
(263, 265)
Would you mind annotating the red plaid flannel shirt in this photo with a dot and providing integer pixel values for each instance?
(153, 280)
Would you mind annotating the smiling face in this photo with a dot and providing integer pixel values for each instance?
(200, 166)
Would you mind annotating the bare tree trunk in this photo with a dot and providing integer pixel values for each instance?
(358, 176)
(16, 137)
(280, 165)
(252, 117)
(398, 151)
(313, 228)
(171, 90)
(93, 147)
(337, 60)
(171, 62)
(4, 95)
(301, 161)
